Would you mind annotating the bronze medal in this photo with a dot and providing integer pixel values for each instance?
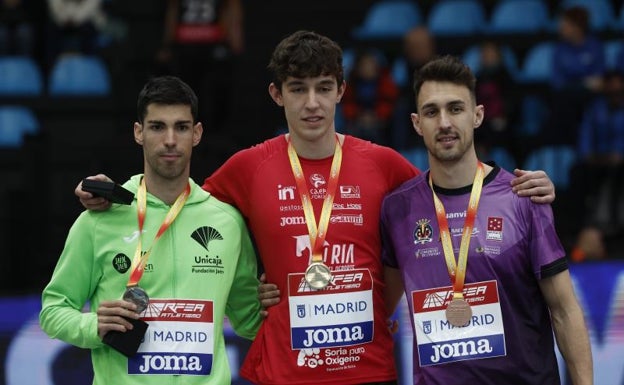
(137, 296)
(458, 312)
(318, 275)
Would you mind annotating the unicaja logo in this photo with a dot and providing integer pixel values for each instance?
(203, 236)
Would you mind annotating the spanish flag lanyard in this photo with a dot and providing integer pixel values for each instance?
(140, 260)
(458, 312)
(318, 274)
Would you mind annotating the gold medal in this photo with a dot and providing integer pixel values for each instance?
(458, 312)
(318, 275)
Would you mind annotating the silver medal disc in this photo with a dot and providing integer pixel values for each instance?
(137, 296)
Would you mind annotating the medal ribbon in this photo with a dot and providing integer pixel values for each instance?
(139, 261)
(317, 234)
(457, 270)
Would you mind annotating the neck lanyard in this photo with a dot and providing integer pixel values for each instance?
(457, 270)
(140, 260)
(317, 234)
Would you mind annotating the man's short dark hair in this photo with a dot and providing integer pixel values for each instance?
(445, 69)
(167, 90)
(306, 54)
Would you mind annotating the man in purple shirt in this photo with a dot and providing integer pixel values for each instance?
(483, 270)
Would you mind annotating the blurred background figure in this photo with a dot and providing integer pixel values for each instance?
(17, 31)
(496, 91)
(368, 102)
(418, 48)
(589, 246)
(73, 27)
(578, 64)
(598, 177)
(201, 38)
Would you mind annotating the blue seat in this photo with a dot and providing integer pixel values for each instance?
(400, 73)
(613, 52)
(601, 12)
(519, 16)
(456, 18)
(389, 19)
(418, 156)
(472, 58)
(79, 75)
(20, 76)
(538, 63)
(502, 157)
(348, 60)
(557, 161)
(15, 122)
(533, 115)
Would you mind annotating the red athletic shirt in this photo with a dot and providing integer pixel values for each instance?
(337, 335)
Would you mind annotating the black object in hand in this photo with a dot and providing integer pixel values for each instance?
(127, 342)
(109, 190)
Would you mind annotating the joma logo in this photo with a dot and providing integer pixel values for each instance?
(315, 337)
(460, 349)
(167, 363)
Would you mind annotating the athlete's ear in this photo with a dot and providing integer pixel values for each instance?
(416, 123)
(341, 90)
(276, 94)
(138, 133)
(479, 114)
(198, 130)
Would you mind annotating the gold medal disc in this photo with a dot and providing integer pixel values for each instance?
(318, 275)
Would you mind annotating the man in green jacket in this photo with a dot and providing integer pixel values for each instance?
(185, 255)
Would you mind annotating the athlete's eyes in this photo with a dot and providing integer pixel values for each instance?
(456, 109)
(430, 112)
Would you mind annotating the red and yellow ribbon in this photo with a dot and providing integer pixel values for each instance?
(317, 233)
(140, 260)
(457, 270)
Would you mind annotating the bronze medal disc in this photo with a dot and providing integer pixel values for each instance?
(137, 296)
(318, 275)
(458, 312)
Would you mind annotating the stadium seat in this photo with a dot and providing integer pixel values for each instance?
(417, 156)
(502, 157)
(15, 122)
(348, 60)
(472, 58)
(557, 161)
(79, 75)
(601, 12)
(389, 19)
(613, 52)
(20, 76)
(537, 66)
(399, 72)
(533, 115)
(519, 17)
(456, 18)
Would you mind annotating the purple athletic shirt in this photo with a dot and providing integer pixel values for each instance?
(514, 243)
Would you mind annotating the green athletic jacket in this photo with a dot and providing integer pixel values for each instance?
(206, 255)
